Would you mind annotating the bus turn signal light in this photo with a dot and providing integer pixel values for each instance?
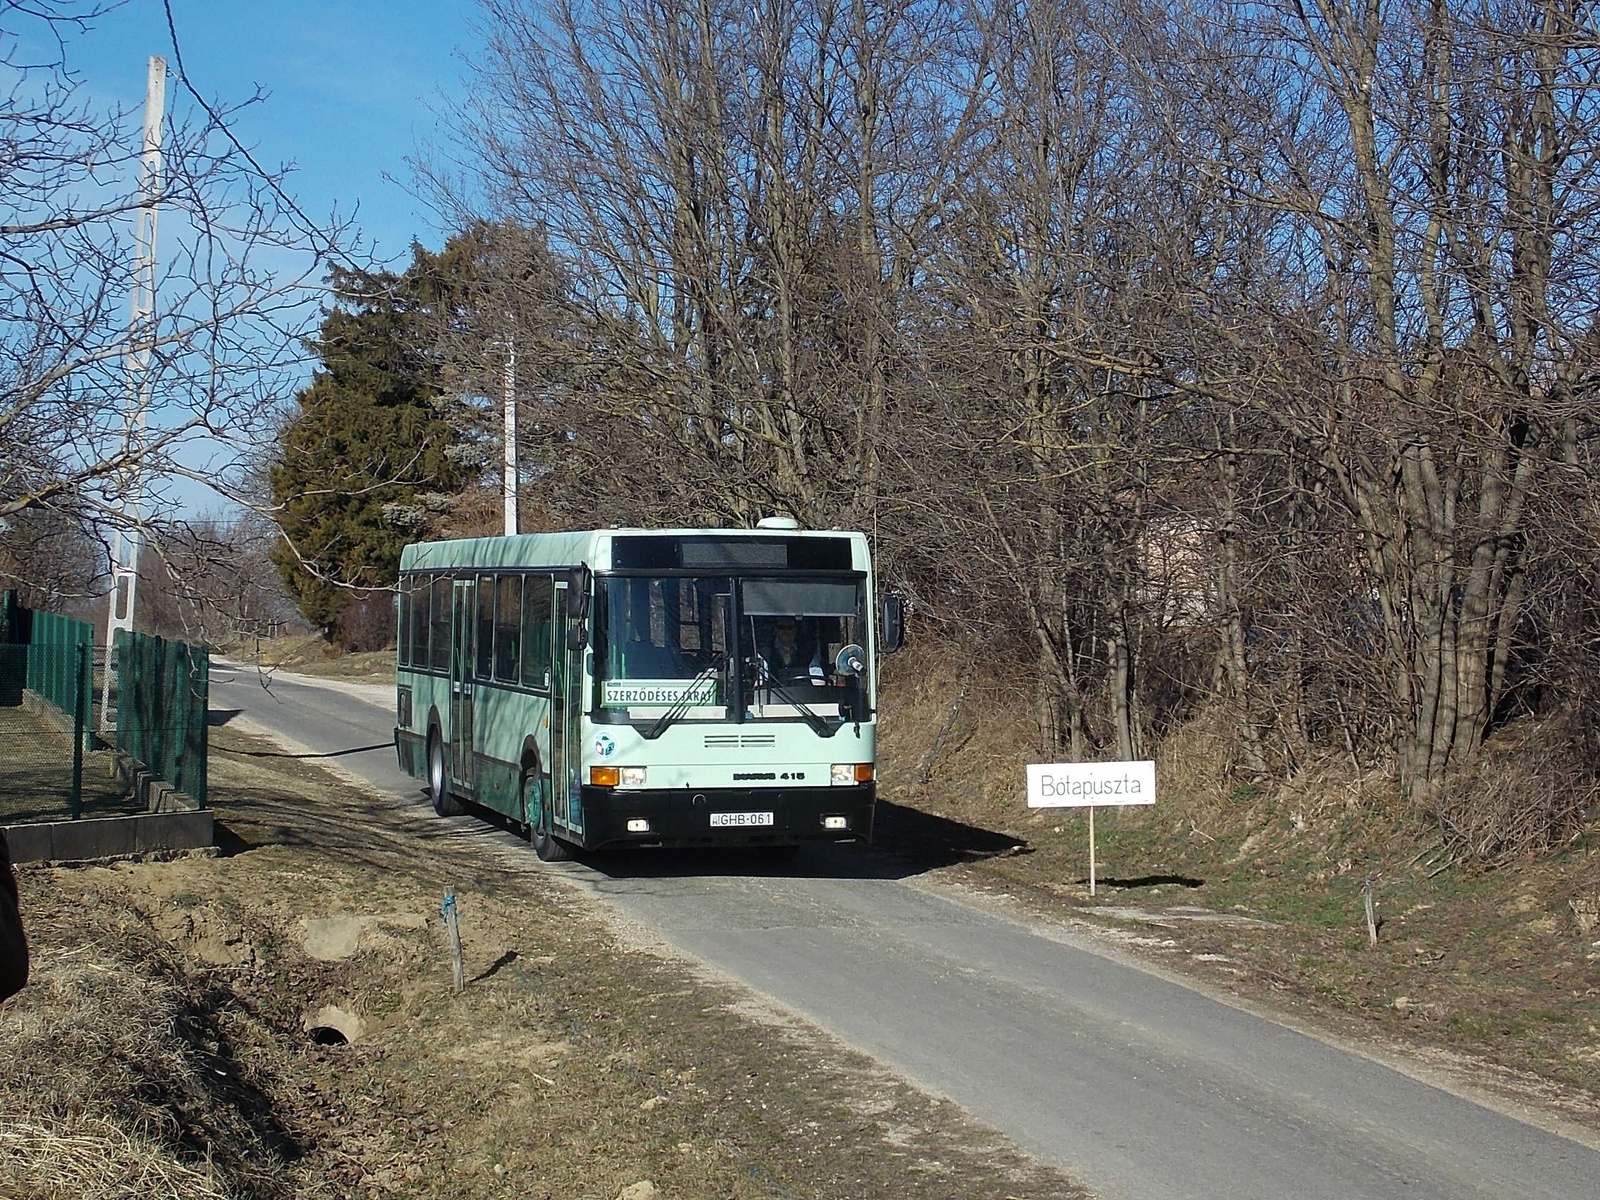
(604, 776)
(842, 774)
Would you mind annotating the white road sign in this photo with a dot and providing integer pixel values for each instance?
(1082, 785)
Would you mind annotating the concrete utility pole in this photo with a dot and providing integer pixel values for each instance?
(509, 385)
(141, 343)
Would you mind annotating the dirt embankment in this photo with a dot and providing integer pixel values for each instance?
(279, 1021)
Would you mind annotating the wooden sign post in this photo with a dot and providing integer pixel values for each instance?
(1090, 785)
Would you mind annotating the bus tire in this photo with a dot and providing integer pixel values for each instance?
(444, 802)
(546, 845)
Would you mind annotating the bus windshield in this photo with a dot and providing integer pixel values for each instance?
(729, 648)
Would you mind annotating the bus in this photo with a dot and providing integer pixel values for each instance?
(646, 687)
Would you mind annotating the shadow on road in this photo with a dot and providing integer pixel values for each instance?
(935, 841)
(906, 842)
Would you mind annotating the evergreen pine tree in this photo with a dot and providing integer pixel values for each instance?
(371, 452)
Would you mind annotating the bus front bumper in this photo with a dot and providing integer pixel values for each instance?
(727, 816)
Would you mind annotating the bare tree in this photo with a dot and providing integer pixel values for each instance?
(1065, 466)
(738, 230)
(1430, 170)
(212, 580)
(237, 258)
(50, 557)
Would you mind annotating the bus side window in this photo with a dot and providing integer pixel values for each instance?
(507, 628)
(402, 638)
(417, 605)
(439, 623)
(485, 657)
(538, 598)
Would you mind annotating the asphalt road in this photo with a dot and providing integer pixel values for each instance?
(1138, 1086)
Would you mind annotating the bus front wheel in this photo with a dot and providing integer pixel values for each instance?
(444, 803)
(546, 845)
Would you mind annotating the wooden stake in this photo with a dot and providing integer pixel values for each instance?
(1372, 910)
(1091, 850)
(452, 922)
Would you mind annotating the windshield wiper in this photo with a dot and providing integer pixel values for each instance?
(682, 705)
(818, 723)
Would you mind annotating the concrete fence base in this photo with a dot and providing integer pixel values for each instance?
(174, 822)
(110, 837)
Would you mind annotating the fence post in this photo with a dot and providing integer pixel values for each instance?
(83, 671)
(199, 719)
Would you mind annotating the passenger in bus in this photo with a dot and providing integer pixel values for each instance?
(791, 658)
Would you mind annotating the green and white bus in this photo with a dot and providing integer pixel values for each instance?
(637, 687)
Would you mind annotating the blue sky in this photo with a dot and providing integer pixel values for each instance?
(354, 87)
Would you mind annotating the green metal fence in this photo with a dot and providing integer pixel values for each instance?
(51, 761)
(46, 713)
(163, 689)
(60, 667)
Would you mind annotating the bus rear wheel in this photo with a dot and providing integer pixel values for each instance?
(444, 802)
(546, 845)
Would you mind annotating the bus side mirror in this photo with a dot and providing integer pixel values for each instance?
(578, 589)
(892, 629)
(577, 635)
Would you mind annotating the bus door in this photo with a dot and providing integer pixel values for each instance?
(566, 719)
(462, 623)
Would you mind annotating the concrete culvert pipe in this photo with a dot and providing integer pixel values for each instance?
(334, 1026)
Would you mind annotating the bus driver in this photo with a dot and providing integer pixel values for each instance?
(787, 660)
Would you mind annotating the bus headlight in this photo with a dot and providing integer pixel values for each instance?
(843, 774)
(617, 776)
(836, 822)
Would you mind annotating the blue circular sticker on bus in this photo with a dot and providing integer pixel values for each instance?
(605, 745)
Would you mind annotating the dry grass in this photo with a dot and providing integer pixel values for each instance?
(86, 1159)
(116, 1045)
(1527, 796)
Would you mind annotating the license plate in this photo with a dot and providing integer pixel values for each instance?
(740, 820)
